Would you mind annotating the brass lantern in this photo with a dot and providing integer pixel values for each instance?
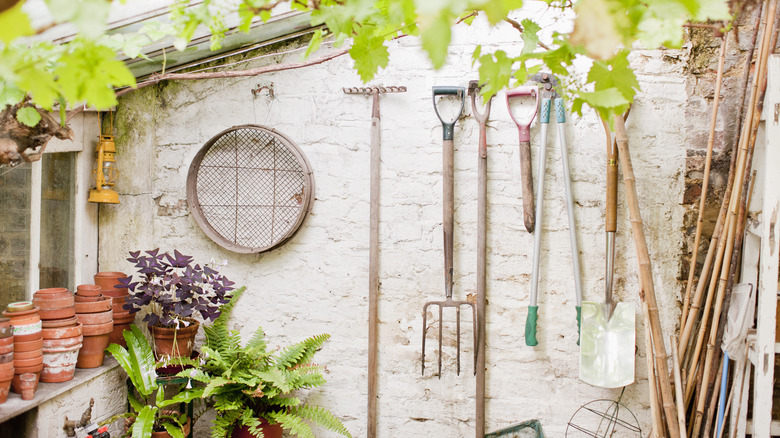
(105, 173)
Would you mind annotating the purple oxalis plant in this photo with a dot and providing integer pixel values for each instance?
(174, 288)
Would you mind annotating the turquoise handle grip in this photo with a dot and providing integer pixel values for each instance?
(560, 110)
(530, 326)
(579, 322)
(545, 116)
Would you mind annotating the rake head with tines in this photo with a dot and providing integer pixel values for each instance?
(448, 155)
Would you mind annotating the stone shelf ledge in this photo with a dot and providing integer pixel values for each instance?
(15, 406)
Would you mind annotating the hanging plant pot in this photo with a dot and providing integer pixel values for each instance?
(173, 342)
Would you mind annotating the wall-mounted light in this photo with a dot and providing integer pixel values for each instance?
(105, 172)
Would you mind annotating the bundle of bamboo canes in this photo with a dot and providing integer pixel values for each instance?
(700, 356)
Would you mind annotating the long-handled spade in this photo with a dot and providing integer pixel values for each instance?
(481, 254)
(448, 226)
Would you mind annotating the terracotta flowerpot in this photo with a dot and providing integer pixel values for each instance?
(54, 323)
(61, 343)
(102, 304)
(122, 322)
(53, 298)
(7, 374)
(5, 322)
(27, 384)
(23, 355)
(107, 281)
(92, 350)
(59, 313)
(6, 345)
(20, 346)
(5, 387)
(22, 317)
(26, 363)
(172, 342)
(5, 359)
(89, 299)
(28, 337)
(97, 329)
(269, 431)
(59, 363)
(62, 332)
(28, 332)
(88, 290)
(15, 381)
(96, 318)
(6, 332)
(20, 306)
(164, 434)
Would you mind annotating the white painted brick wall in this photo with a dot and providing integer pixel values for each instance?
(317, 282)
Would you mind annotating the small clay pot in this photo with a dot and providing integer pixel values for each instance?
(55, 303)
(92, 351)
(185, 430)
(122, 322)
(54, 323)
(62, 332)
(173, 342)
(16, 381)
(96, 318)
(49, 344)
(22, 317)
(88, 290)
(107, 281)
(101, 305)
(97, 329)
(24, 355)
(27, 384)
(24, 363)
(28, 337)
(60, 313)
(20, 346)
(59, 364)
(53, 297)
(20, 306)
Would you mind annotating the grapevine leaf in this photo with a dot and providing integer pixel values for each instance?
(495, 70)
(614, 73)
(497, 10)
(369, 54)
(10, 94)
(28, 116)
(436, 37)
(530, 36)
(14, 24)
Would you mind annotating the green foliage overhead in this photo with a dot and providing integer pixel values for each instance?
(250, 382)
(86, 70)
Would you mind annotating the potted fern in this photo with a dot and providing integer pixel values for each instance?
(251, 386)
(151, 414)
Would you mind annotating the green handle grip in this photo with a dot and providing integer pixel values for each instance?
(448, 127)
(530, 326)
(579, 322)
(545, 116)
(560, 110)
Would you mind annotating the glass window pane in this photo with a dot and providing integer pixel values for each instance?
(58, 186)
(14, 232)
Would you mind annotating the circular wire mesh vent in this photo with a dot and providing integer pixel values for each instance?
(249, 188)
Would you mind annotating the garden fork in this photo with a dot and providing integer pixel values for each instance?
(448, 226)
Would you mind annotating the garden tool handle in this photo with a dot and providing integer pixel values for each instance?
(612, 184)
(523, 125)
(448, 127)
(527, 178)
(448, 222)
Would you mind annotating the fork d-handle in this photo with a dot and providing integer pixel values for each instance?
(526, 175)
(448, 128)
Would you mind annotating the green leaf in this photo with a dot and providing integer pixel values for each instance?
(615, 73)
(174, 430)
(40, 84)
(497, 10)
(436, 37)
(495, 70)
(369, 54)
(28, 116)
(142, 428)
(530, 36)
(10, 94)
(314, 43)
(14, 24)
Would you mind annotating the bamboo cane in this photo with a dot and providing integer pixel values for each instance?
(745, 142)
(706, 179)
(647, 292)
(711, 408)
(655, 410)
(678, 389)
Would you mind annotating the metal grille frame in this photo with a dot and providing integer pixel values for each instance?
(249, 188)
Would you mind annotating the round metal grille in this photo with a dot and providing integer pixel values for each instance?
(249, 188)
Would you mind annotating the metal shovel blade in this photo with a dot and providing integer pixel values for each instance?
(607, 345)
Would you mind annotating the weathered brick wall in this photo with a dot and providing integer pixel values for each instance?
(317, 282)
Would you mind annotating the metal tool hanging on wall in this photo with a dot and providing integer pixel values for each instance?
(550, 95)
(448, 156)
(373, 247)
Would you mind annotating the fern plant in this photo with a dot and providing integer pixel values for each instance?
(148, 399)
(247, 383)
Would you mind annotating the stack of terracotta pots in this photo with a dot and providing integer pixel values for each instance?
(95, 314)
(122, 317)
(28, 341)
(6, 357)
(61, 333)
